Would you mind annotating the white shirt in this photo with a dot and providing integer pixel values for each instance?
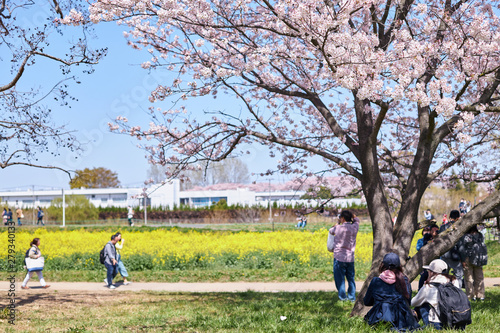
(429, 294)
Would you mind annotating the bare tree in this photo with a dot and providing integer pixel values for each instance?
(231, 170)
(27, 28)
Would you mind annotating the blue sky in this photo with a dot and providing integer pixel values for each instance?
(119, 86)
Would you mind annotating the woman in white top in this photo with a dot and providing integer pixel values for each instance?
(426, 300)
(34, 253)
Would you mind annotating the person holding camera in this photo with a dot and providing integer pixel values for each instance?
(345, 233)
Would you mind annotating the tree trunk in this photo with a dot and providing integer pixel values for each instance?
(450, 237)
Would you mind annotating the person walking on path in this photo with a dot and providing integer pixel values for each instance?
(426, 300)
(130, 216)
(452, 257)
(389, 295)
(19, 214)
(110, 262)
(345, 233)
(40, 215)
(120, 266)
(474, 256)
(34, 253)
(9, 216)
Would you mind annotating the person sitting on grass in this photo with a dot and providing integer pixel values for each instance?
(302, 222)
(426, 301)
(389, 295)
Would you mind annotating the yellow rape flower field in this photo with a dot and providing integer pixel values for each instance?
(184, 246)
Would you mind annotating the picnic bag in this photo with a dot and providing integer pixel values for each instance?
(34, 264)
(330, 243)
(454, 306)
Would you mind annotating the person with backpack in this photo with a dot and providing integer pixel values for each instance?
(110, 262)
(389, 295)
(452, 257)
(433, 307)
(474, 255)
(34, 253)
(40, 215)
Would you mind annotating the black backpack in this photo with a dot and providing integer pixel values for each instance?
(102, 256)
(454, 306)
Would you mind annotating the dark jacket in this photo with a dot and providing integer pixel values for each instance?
(472, 248)
(388, 305)
(453, 253)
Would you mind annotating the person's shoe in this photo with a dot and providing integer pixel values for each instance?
(46, 286)
(106, 281)
(126, 283)
(481, 299)
(112, 287)
(22, 287)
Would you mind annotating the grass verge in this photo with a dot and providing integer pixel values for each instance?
(112, 311)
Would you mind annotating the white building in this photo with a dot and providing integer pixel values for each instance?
(170, 195)
(166, 195)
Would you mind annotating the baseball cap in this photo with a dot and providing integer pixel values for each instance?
(437, 266)
(391, 260)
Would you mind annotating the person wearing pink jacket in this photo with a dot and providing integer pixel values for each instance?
(345, 233)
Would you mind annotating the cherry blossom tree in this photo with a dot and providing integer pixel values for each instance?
(27, 30)
(391, 93)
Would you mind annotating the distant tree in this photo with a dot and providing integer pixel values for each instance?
(95, 178)
(232, 170)
(322, 192)
(78, 208)
(156, 173)
(471, 187)
(455, 182)
(27, 27)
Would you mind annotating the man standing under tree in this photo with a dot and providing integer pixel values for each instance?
(345, 233)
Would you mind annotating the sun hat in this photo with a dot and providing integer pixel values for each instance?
(391, 260)
(437, 266)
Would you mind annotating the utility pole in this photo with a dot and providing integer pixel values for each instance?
(270, 208)
(145, 202)
(34, 211)
(64, 208)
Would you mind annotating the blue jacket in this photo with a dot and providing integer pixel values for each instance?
(388, 305)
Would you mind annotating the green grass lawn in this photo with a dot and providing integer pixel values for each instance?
(211, 312)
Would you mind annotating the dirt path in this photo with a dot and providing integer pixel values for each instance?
(200, 286)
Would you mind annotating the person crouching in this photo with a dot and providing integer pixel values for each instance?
(389, 295)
